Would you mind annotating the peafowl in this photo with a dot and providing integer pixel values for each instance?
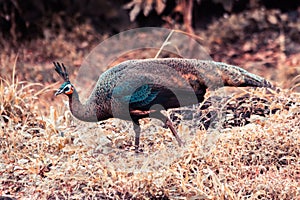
(132, 89)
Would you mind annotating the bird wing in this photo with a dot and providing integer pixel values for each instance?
(147, 95)
(138, 96)
(142, 86)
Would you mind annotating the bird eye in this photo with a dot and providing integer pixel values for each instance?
(67, 88)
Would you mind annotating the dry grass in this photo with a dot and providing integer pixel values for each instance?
(47, 154)
(56, 157)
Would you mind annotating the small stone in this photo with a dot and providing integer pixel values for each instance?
(272, 19)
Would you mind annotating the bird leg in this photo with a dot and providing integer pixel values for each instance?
(171, 127)
(168, 123)
(137, 130)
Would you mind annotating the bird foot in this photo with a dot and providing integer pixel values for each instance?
(180, 142)
(137, 150)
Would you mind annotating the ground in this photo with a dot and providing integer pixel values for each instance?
(47, 154)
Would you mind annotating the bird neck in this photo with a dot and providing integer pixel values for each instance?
(85, 112)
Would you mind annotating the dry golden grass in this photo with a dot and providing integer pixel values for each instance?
(56, 157)
(47, 154)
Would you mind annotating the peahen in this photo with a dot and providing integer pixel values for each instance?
(132, 89)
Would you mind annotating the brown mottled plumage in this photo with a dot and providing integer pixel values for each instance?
(132, 90)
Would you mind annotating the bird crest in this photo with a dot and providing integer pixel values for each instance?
(61, 70)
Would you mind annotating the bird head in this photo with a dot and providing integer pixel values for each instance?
(66, 88)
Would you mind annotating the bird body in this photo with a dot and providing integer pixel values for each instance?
(132, 89)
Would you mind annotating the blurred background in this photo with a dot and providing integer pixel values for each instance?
(262, 36)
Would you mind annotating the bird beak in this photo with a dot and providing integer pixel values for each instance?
(58, 92)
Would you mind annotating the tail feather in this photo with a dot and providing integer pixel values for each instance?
(238, 77)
